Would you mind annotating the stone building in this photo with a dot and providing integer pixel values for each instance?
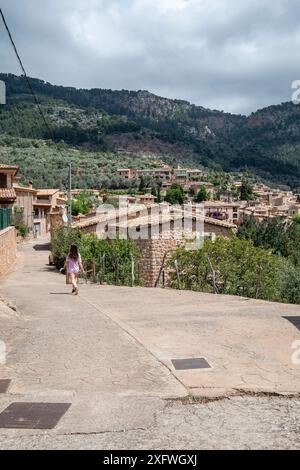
(25, 198)
(156, 237)
(228, 211)
(7, 179)
(45, 202)
(156, 229)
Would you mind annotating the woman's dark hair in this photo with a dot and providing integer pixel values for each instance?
(74, 252)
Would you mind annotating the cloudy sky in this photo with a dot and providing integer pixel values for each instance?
(235, 55)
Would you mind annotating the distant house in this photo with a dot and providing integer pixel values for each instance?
(25, 203)
(46, 201)
(15, 197)
(7, 192)
(47, 196)
(196, 186)
(228, 211)
(164, 174)
(147, 199)
(127, 173)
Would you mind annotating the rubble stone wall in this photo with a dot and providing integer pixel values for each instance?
(8, 250)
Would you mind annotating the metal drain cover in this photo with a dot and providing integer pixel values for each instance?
(4, 384)
(294, 320)
(33, 415)
(192, 363)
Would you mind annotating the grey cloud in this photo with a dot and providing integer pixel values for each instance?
(225, 54)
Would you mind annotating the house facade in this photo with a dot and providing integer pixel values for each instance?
(7, 192)
(46, 200)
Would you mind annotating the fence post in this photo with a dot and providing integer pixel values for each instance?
(177, 273)
(132, 270)
(213, 275)
(117, 271)
(260, 268)
(161, 272)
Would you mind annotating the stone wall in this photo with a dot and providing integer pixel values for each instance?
(153, 250)
(8, 250)
(25, 200)
(160, 242)
(152, 255)
(218, 230)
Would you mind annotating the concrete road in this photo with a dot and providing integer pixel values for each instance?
(108, 352)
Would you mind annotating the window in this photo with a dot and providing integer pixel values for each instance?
(3, 180)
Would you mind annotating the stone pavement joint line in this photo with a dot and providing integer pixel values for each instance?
(135, 339)
(109, 353)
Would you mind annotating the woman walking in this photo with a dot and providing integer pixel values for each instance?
(74, 267)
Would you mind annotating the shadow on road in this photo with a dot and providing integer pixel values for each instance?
(42, 247)
(60, 293)
(51, 269)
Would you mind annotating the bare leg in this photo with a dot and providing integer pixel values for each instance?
(74, 282)
(77, 281)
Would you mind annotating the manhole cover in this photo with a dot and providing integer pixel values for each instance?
(294, 320)
(184, 364)
(4, 384)
(33, 415)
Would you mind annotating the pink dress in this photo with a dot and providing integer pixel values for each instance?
(73, 266)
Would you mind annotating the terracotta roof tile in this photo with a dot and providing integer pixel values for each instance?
(46, 192)
(14, 168)
(7, 193)
(24, 188)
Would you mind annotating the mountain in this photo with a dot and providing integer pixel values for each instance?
(267, 142)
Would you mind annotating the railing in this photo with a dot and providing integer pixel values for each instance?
(5, 218)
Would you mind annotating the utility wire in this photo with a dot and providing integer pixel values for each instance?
(28, 81)
(43, 118)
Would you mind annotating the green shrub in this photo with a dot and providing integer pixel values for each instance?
(105, 261)
(175, 195)
(240, 269)
(19, 222)
(83, 203)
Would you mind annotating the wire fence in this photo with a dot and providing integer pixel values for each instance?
(113, 270)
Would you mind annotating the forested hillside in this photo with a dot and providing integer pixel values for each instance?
(106, 121)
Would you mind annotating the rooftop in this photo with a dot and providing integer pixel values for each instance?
(47, 192)
(8, 167)
(41, 204)
(24, 188)
(7, 193)
(221, 204)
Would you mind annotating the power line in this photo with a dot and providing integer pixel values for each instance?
(28, 81)
(24, 73)
(41, 113)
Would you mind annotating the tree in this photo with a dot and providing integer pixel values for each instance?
(175, 195)
(83, 203)
(282, 237)
(202, 195)
(154, 191)
(142, 185)
(158, 200)
(246, 191)
(192, 191)
(240, 269)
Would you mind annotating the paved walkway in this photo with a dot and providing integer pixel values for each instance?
(109, 351)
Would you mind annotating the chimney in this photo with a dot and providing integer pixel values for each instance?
(30, 184)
